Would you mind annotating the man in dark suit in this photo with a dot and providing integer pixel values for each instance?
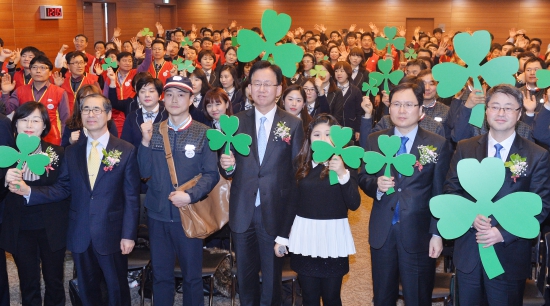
(402, 232)
(6, 139)
(104, 205)
(261, 187)
(504, 103)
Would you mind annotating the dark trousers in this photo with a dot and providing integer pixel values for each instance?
(254, 253)
(167, 240)
(33, 251)
(4, 285)
(391, 263)
(476, 289)
(315, 288)
(91, 266)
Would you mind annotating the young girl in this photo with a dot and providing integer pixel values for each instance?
(294, 102)
(352, 111)
(326, 85)
(333, 55)
(245, 103)
(308, 61)
(200, 87)
(358, 72)
(216, 103)
(315, 104)
(320, 237)
(229, 82)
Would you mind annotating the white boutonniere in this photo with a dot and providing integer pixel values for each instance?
(282, 132)
(427, 155)
(517, 165)
(110, 159)
(54, 159)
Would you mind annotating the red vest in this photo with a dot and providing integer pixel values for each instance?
(5, 67)
(124, 91)
(89, 79)
(51, 99)
(19, 78)
(164, 72)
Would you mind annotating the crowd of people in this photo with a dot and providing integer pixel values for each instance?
(99, 116)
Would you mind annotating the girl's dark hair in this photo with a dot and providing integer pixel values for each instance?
(330, 49)
(75, 121)
(230, 48)
(304, 115)
(199, 73)
(304, 157)
(332, 83)
(301, 64)
(216, 94)
(26, 110)
(233, 71)
(358, 52)
(146, 80)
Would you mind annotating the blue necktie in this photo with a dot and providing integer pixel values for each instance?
(402, 150)
(262, 144)
(498, 147)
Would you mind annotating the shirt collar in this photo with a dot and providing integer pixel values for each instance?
(103, 139)
(270, 115)
(411, 135)
(506, 143)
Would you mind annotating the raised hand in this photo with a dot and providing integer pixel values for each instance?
(233, 24)
(352, 27)
(476, 97)
(16, 56)
(512, 33)
(160, 29)
(139, 52)
(6, 53)
(148, 41)
(417, 33)
(529, 102)
(193, 28)
(74, 137)
(116, 32)
(361, 30)
(401, 31)
(111, 75)
(118, 43)
(290, 35)
(322, 28)
(134, 42)
(225, 34)
(442, 48)
(139, 35)
(98, 69)
(63, 49)
(146, 133)
(367, 106)
(7, 84)
(210, 27)
(58, 79)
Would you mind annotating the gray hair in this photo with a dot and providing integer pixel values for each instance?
(106, 103)
(506, 89)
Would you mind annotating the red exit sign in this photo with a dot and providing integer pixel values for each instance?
(51, 12)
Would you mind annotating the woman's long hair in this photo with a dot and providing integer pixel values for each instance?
(75, 122)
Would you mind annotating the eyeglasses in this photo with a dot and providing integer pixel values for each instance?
(309, 89)
(32, 121)
(78, 63)
(507, 110)
(259, 85)
(95, 110)
(407, 106)
(41, 68)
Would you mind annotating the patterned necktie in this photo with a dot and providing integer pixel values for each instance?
(93, 163)
(149, 115)
(247, 105)
(262, 144)
(498, 147)
(310, 108)
(402, 150)
(196, 101)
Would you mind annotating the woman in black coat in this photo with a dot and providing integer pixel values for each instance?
(36, 235)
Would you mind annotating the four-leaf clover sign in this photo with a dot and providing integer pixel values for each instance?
(472, 49)
(403, 163)
(390, 32)
(543, 78)
(26, 144)
(514, 212)
(410, 54)
(318, 71)
(186, 42)
(370, 87)
(146, 32)
(229, 125)
(340, 137)
(385, 66)
(109, 63)
(274, 28)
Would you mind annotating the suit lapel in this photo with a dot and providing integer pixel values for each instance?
(279, 115)
(110, 146)
(481, 150)
(82, 160)
(250, 129)
(420, 139)
(516, 147)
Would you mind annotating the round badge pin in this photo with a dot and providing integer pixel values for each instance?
(165, 73)
(50, 106)
(190, 154)
(127, 84)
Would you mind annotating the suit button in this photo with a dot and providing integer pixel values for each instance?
(399, 190)
(260, 176)
(92, 197)
(392, 209)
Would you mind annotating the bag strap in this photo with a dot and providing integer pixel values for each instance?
(163, 128)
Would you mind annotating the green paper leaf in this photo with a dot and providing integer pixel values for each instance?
(370, 87)
(109, 63)
(477, 116)
(274, 26)
(385, 67)
(186, 42)
(9, 156)
(317, 71)
(333, 177)
(178, 63)
(452, 77)
(146, 32)
(515, 212)
(543, 78)
(37, 163)
(410, 54)
(188, 65)
(325, 58)
(390, 32)
(229, 126)
(340, 137)
(26, 145)
(234, 41)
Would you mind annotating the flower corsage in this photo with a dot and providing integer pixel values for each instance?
(54, 159)
(517, 165)
(110, 159)
(282, 132)
(427, 155)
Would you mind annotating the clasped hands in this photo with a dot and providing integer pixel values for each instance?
(486, 233)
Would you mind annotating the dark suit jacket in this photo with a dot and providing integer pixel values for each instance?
(352, 108)
(55, 215)
(413, 193)
(300, 80)
(335, 101)
(274, 177)
(104, 215)
(360, 78)
(6, 139)
(321, 106)
(131, 132)
(236, 99)
(515, 253)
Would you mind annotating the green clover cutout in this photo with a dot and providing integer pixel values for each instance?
(370, 87)
(452, 77)
(229, 125)
(403, 163)
(271, 60)
(146, 32)
(187, 65)
(390, 32)
(394, 77)
(186, 42)
(178, 63)
(274, 28)
(514, 212)
(26, 144)
(234, 41)
(543, 78)
(317, 71)
(340, 137)
(325, 58)
(410, 54)
(109, 63)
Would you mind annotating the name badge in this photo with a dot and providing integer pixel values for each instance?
(438, 119)
(189, 151)
(50, 106)
(127, 84)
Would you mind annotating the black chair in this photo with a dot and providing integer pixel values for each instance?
(140, 257)
(532, 296)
